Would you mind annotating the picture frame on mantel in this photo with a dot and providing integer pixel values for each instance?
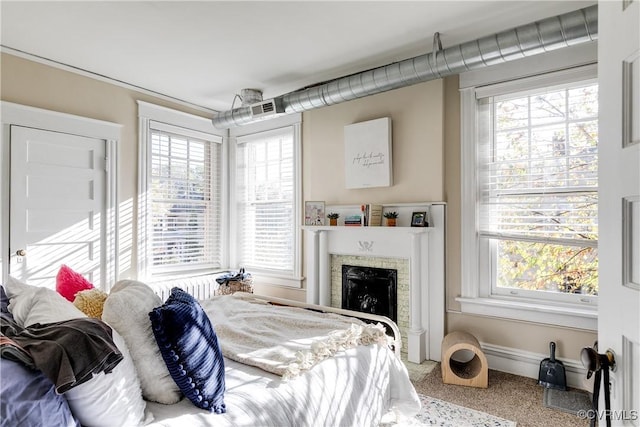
(313, 213)
(368, 154)
(419, 219)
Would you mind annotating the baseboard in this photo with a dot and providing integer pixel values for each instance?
(527, 364)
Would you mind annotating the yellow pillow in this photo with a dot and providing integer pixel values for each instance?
(90, 302)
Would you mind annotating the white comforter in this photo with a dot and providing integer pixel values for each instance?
(352, 389)
(283, 340)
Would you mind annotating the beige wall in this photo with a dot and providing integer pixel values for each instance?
(37, 85)
(426, 152)
(416, 119)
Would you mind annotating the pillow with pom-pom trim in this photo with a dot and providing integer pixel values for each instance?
(189, 347)
(69, 283)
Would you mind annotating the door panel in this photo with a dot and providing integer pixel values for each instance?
(619, 208)
(57, 202)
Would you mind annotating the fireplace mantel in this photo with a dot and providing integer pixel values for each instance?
(423, 247)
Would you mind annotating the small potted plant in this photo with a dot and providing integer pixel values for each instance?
(391, 218)
(333, 218)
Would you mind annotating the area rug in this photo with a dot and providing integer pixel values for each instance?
(436, 412)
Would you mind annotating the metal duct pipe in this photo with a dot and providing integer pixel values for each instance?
(557, 32)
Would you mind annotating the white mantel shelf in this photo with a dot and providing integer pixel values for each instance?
(415, 230)
(423, 247)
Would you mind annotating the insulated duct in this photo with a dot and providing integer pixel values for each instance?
(549, 34)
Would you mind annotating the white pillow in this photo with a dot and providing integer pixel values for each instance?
(127, 309)
(35, 304)
(48, 306)
(105, 400)
(112, 399)
(20, 298)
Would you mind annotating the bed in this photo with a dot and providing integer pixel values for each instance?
(282, 364)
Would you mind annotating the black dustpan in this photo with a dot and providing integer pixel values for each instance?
(552, 373)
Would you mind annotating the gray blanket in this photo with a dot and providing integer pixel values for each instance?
(67, 352)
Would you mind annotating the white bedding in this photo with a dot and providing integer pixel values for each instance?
(283, 340)
(354, 388)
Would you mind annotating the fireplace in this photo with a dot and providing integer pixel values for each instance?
(370, 290)
(416, 253)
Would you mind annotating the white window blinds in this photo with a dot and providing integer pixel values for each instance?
(538, 165)
(265, 186)
(184, 199)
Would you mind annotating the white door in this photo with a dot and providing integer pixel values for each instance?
(57, 205)
(619, 203)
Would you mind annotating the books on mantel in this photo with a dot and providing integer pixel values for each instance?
(370, 215)
(373, 215)
(353, 220)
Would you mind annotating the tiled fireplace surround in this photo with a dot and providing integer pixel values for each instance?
(399, 264)
(416, 253)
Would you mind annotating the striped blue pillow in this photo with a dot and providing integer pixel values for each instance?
(189, 347)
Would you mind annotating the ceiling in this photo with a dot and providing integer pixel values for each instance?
(205, 52)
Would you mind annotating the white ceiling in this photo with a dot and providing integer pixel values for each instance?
(205, 52)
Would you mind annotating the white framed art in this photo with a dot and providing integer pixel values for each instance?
(313, 213)
(367, 154)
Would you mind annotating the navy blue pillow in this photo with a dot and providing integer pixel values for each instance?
(29, 398)
(189, 347)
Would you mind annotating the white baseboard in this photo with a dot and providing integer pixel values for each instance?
(527, 364)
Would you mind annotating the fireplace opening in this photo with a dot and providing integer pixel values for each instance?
(370, 290)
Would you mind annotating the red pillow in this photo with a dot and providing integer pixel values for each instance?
(69, 283)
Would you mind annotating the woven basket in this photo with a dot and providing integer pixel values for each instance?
(233, 286)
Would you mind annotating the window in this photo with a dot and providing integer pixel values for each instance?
(539, 189)
(532, 218)
(182, 194)
(266, 198)
(184, 200)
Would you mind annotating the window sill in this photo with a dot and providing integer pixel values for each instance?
(566, 315)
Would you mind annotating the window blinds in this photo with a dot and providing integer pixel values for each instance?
(265, 196)
(185, 198)
(538, 165)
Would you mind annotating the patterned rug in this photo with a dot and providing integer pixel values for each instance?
(437, 412)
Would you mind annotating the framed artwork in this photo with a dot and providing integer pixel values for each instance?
(419, 219)
(313, 213)
(367, 154)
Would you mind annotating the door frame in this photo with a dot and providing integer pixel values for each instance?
(38, 118)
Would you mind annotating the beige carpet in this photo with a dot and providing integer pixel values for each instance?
(509, 396)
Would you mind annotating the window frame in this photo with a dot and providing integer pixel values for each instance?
(293, 121)
(189, 125)
(477, 296)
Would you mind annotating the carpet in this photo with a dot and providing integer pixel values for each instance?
(436, 412)
(509, 396)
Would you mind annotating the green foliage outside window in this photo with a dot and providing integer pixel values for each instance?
(540, 190)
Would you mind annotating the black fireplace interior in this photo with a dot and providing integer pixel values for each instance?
(370, 290)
